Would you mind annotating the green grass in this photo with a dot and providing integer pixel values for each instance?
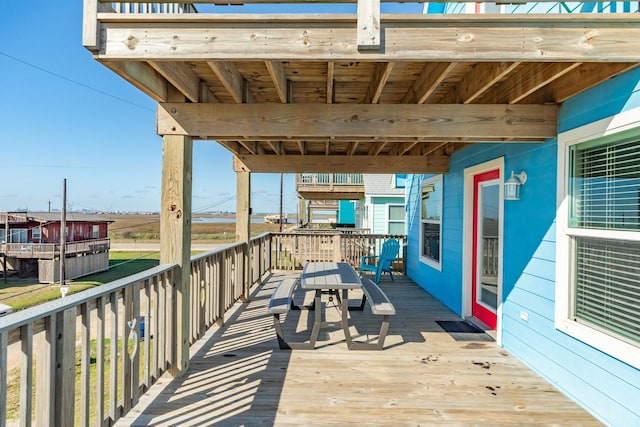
(23, 293)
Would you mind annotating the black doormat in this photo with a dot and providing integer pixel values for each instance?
(463, 331)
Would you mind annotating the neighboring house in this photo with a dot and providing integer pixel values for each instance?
(32, 244)
(382, 210)
(555, 273)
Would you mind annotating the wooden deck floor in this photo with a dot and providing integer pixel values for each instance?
(238, 376)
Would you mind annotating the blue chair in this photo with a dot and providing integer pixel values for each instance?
(388, 255)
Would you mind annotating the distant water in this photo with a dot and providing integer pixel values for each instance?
(209, 220)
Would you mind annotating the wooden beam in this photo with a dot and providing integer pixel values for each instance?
(250, 146)
(522, 84)
(142, 76)
(352, 148)
(230, 78)
(330, 70)
(279, 79)
(243, 225)
(404, 148)
(481, 78)
(341, 164)
(582, 78)
(297, 121)
(432, 75)
(368, 25)
(205, 94)
(459, 38)
(380, 76)
(434, 147)
(377, 147)
(181, 77)
(301, 147)
(175, 237)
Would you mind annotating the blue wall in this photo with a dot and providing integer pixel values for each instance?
(346, 212)
(606, 387)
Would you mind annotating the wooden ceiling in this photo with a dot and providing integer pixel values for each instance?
(307, 93)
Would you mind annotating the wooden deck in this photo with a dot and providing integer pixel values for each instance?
(238, 376)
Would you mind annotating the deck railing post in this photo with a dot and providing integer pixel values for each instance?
(65, 368)
(243, 227)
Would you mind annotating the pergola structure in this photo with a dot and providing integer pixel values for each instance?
(344, 93)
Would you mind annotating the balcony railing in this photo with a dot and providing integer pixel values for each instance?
(153, 7)
(86, 359)
(328, 179)
(52, 250)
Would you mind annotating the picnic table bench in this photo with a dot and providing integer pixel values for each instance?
(332, 277)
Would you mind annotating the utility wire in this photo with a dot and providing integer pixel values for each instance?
(75, 82)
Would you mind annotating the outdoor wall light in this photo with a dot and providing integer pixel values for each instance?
(512, 185)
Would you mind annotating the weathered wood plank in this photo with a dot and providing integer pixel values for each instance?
(337, 164)
(181, 77)
(360, 120)
(368, 32)
(579, 40)
(64, 409)
(26, 374)
(100, 365)
(175, 229)
(85, 364)
(424, 376)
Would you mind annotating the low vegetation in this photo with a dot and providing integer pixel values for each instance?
(146, 228)
(23, 293)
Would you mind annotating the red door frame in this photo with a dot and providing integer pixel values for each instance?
(480, 312)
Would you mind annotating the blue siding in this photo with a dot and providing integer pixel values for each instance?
(608, 388)
(346, 212)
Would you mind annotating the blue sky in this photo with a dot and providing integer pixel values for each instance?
(66, 116)
(106, 148)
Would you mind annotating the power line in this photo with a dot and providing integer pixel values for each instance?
(37, 67)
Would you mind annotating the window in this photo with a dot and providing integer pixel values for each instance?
(400, 179)
(396, 219)
(598, 293)
(95, 231)
(431, 221)
(35, 233)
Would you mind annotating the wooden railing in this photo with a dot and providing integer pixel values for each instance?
(293, 250)
(329, 179)
(152, 7)
(87, 358)
(52, 250)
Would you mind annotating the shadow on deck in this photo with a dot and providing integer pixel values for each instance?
(424, 376)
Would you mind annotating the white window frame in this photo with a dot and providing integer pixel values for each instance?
(426, 260)
(395, 221)
(36, 233)
(604, 342)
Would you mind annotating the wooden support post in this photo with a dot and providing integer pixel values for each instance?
(175, 239)
(368, 33)
(243, 224)
(65, 368)
(302, 212)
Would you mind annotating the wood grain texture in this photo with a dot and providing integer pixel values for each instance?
(238, 375)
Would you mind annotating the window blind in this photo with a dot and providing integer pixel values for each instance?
(607, 286)
(605, 185)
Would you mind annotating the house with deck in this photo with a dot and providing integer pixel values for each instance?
(31, 244)
(382, 210)
(544, 259)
